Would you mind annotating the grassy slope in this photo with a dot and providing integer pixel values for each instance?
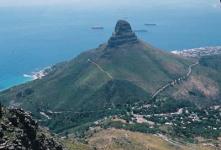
(114, 139)
(75, 81)
(73, 145)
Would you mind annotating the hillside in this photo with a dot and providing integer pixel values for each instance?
(152, 91)
(114, 139)
(118, 139)
(89, 81)
(203, 86)
(19, 131)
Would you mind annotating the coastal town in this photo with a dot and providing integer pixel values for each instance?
(199, 52)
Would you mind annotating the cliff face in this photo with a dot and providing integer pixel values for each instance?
(18, 131)
(123, 34)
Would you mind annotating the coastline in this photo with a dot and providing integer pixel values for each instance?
(38, 74)
(27, 78)
(198, 52)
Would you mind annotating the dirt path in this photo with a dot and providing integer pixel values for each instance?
(101, 69)
(161, 89)
(169, 140)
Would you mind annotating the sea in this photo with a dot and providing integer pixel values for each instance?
(33, 37)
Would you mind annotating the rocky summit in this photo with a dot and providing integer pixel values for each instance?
(18, 131)
(123, 34)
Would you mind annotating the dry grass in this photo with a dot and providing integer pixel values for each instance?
(73, 145)
(114, 139)
(201, 84)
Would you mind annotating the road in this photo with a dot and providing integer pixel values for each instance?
(190, 68)
(174, 82)
(161, 89)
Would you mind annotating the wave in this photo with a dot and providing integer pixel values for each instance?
(39, 74)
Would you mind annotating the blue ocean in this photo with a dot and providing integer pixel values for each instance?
(34, 37)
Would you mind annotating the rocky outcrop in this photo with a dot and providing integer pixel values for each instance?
(123, 35)
(18, 131)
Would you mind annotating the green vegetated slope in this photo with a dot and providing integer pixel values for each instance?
(137, 70)
(74, 83)
(123, 71)
(118, 79)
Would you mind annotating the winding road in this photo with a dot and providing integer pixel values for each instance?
(161, 89)
(174, 82)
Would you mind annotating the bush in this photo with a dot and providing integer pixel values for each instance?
(171, 105)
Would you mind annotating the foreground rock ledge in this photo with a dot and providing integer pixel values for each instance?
(18, 131)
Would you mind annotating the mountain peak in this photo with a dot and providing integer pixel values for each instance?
(123, 27)
(123, 35)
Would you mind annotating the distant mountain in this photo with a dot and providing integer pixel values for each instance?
(125, 61)
(121, 72)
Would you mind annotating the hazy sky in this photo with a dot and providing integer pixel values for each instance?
(92, 3)
(51, 2)
(32, 2)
